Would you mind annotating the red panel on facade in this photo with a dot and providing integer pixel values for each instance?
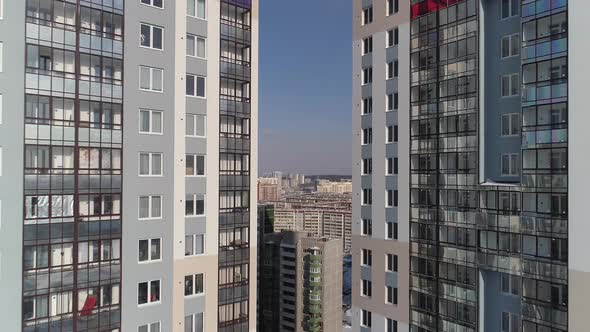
(429, 6)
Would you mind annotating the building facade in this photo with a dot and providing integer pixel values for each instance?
(495, 157)
(302, 283)
(127, 137)
(380, 215)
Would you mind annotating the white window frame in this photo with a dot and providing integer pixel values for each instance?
(367, 136)
(366, 288)
(366, 318)
(195, 157)
(194, 197)
(151, 41)
(369, 193)
(149, 326)
(366, 106)
(194, 124)
(367, 76)
(151, 89)
(150, 207)
(514, 38)
(150, 161)
(197, 11)
(510, 85)
(150, 4)
(194, 320)
(367, 45)
(1, 57)
(511, 118)
(391, 259)
(149, 259)
(392, 7)
(391, 35)
(196, 46)
(510, 13)
(510, 279)
(194, 249)
(1, 107)
(368, 12)
(1, 9)
(367, 163)
(390, 291)
(513, 164)
(365, 255)
(195, 85)
(149, 290)
(151, 122)
(368, 224)
(195, 294)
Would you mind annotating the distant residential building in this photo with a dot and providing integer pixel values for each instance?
(302, 278)
(325, 186)
(326, 215)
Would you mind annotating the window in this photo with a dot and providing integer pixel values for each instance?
(367, 106)
(391, 325)
(391, 198)
(367, 257)
(511, 124)
(153, 327)
(367, 45)
(392, 37)
(150, 207)
(367, 166)
(510, 284)
(194, 245)
(391, 231)
(391, 295)
(392, 70)
(148, 292)
(392, 167)
(509, 8)
(193, 284)
(195, 125)
(510, 164)
(149, 250)
(194, 323)
(195, 205)
(391, 263)
(367, 227)
(392, 7)
(152, 36)
(365, 318)
(196, 8)
(151, 79)
(392, 133)
(367, 196)
(510, 85)
(195, 86)
(510, 46)
(195, 165)
(367, 75)
(510, 322)
(392, 101)
(196, 46)
(367, 15)
(150, 122)
(366, 287)
(1, 106)
(150, 164)
(367, 136)
(153, 3)
(1, 56)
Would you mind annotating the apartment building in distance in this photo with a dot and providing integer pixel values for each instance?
(300, 279)
(268, 190)
(127, 144)
(496, 156)
(380, 229)
(341, 187)
(324, 215)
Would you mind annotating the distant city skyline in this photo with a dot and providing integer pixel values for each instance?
(305, 87)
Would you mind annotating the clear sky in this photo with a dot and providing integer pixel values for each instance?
(305, 121)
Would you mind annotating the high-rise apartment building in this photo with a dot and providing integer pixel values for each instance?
(127, 144)
(300, 279)
(380, 240)
(496, 156)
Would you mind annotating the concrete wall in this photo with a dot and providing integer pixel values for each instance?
(12, 106)
(579, 164)
(495, 105)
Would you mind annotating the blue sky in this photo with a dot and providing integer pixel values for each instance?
(305, 86)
